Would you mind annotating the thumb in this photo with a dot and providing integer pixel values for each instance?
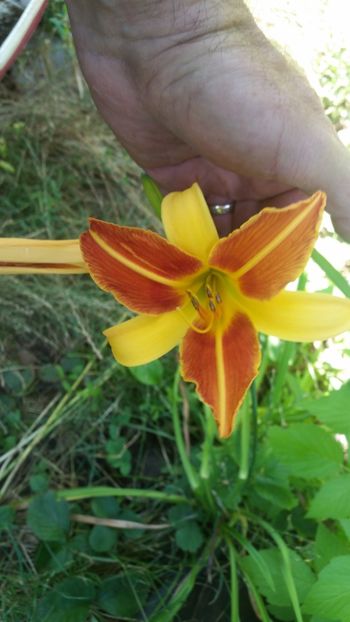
(326, 166)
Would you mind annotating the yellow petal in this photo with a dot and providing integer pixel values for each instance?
(188, 223)
(298, 316)
(27, 256)
(145, 338)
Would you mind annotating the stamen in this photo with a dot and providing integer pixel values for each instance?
(192, 325)
(194, 300)
(209, 291)
(212, 307)
(218, 298)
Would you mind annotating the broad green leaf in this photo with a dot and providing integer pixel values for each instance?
(279, 596)
(189, 537)
(345, 525)
(105, 507)
(102, 539)
(333, 409)
(306, 450)
(69, 601)
(123, 595)
(7, 517)
(329, 544)
(329, 597)
(39, 482)
(53, 556)
(150, 374)
(276, 491)
(48, 518)
(179, 514)
(332, 500)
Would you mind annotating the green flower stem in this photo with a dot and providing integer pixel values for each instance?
(245, 438)
(332, 274)
(87, 492)
(254, 423)
(234, 592)
(210, 433)
(191, 475)
(286, 356)
(92, 492)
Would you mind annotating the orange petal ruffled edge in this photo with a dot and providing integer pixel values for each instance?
(222, 364)
(144, 272)
(272, 248)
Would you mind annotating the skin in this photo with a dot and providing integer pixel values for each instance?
(195, 92)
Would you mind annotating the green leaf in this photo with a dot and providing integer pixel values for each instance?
(7, 517)
(39, 482)
(150, 374)
(276, 491)
(332, 500)
(152, 193)
(330, 596)
(48, 518)
(329, 544)
(189, 537)
(306, 450)
(333, 409)
(123, 595)
(178, 514)
(102, 538)
(345, 525)
(118, 456)
(49, 374)
(333, 275)
(105, 507)
(69, 601)
(53, 556)
(279, 596)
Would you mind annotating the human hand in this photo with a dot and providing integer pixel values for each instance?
(196, 92)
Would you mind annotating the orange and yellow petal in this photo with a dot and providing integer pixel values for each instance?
(272, 248)
(141, 269)
(145, 338)
(188, 223)
(222, 364)
(299, 316)
(29, 256)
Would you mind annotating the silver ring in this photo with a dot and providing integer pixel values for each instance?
(219, 210)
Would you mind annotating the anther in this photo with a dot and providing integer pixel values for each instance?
(194, 300)
(209, 292)
(212, 307)
(218, 298)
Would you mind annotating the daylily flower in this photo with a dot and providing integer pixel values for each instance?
(212, 294)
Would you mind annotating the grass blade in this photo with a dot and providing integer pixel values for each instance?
(331, 273)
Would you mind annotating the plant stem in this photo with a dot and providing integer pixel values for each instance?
(191, 475)
(234, 593)
(245, 439)
(254, 424)
(91, 492)
(210, 431)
